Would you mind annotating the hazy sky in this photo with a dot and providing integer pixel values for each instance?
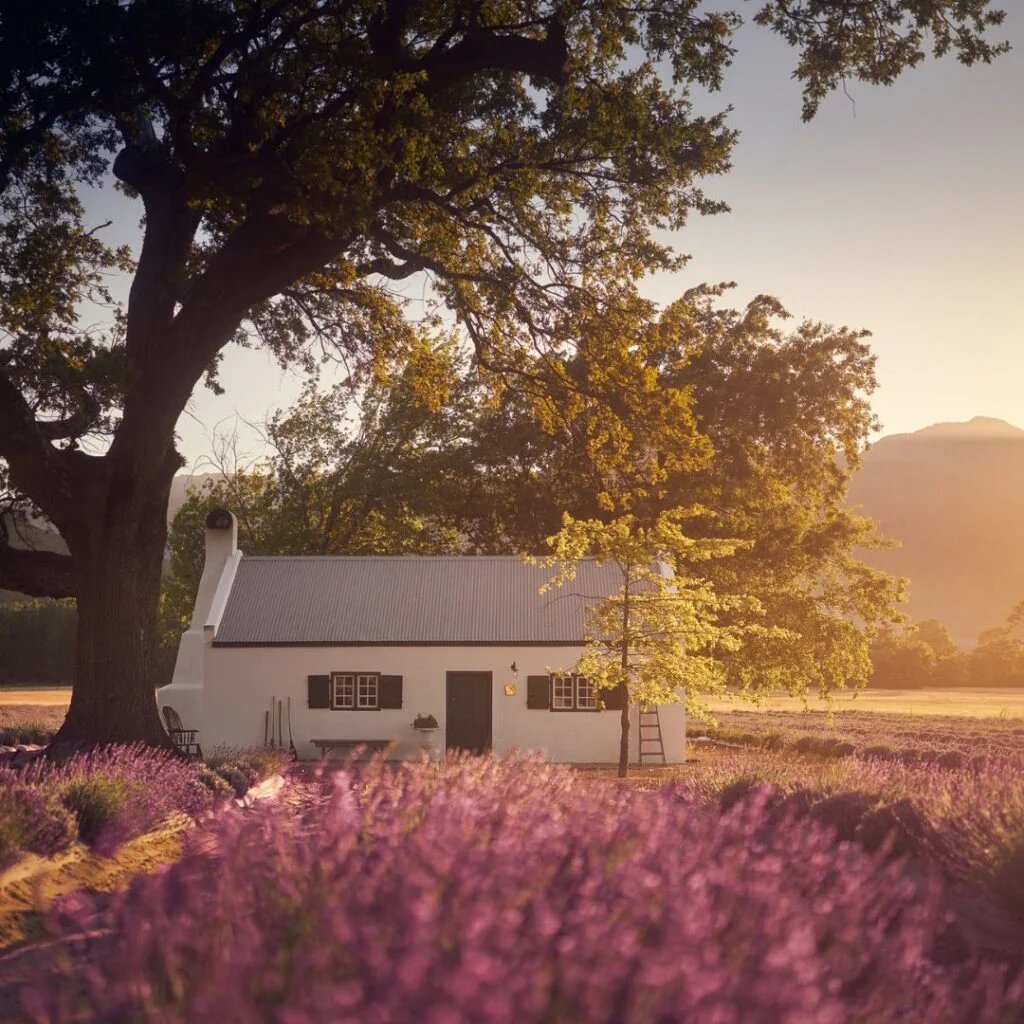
(903, 214)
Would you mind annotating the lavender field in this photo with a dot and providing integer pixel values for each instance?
(774, 881)
(947, 740)
(518, 891)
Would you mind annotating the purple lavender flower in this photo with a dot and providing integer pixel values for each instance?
(517, 892)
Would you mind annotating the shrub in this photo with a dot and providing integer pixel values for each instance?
(902, 826)
(235, 778)
(1006, 875)
(96, 802)
(122, 791)
(486, 892)
(843, 812)
(218, 786)
(881, 752)
(741, 788)
(257, 762)
(31, 821)
(28, 732)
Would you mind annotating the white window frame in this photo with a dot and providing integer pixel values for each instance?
(586, 695)
(568, 695)
(367, 691)
(355, 691)
(563, 693)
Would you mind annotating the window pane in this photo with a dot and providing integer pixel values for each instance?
(586, 699)
(561, 694)
(344, 691)
(367, 691)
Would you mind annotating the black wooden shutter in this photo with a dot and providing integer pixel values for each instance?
(613, 699)
(319, 691)
(538, 692)
(390, 692)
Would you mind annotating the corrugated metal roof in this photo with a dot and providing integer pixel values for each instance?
(407, 600)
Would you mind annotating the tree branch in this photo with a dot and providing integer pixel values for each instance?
(170, 230)
(481, 49)
(35, 466)
(36, 573)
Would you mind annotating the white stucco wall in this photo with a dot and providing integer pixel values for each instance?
(240, 681)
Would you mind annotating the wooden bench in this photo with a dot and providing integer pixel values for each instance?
(372, 747)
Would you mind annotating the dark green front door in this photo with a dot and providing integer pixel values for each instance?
(468, 711)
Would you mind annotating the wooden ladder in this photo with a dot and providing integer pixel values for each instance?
(650, 734)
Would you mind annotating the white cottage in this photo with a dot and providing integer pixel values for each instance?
(362, 645)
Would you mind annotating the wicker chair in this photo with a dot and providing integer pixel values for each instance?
(184, 739)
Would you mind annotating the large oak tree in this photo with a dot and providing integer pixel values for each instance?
(293, 157)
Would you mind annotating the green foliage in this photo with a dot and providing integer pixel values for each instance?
(658, 635)
(37, 641)
(998, 660)
(95, 801)
(217, 785)
(384, 482)
(925, 656)
(242, 767)
(787, 413)
(877, 40)
(936, 635)
(235, 777)
(899, 660)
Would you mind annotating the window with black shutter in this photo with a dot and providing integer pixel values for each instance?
(319, 689)
(538, 692)
(571, 692)
(355, 691)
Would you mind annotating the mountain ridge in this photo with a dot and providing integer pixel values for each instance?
(952, 494)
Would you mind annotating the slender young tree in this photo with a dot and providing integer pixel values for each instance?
(660, 636)
(291, 159)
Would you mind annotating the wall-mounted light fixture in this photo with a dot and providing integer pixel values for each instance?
(515, 671)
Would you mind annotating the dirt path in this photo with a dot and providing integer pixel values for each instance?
(31, 885)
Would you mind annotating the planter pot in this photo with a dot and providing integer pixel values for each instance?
(428, 742)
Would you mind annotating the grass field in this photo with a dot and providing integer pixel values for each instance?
(52, 696)
(972, 702)
(969, 702)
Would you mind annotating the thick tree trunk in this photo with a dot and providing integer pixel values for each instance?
(118, 548)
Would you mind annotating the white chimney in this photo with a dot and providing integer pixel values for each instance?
(221, 545)
(185, 693)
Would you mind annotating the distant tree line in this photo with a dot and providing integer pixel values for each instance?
(37, 641)
(925, 657)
